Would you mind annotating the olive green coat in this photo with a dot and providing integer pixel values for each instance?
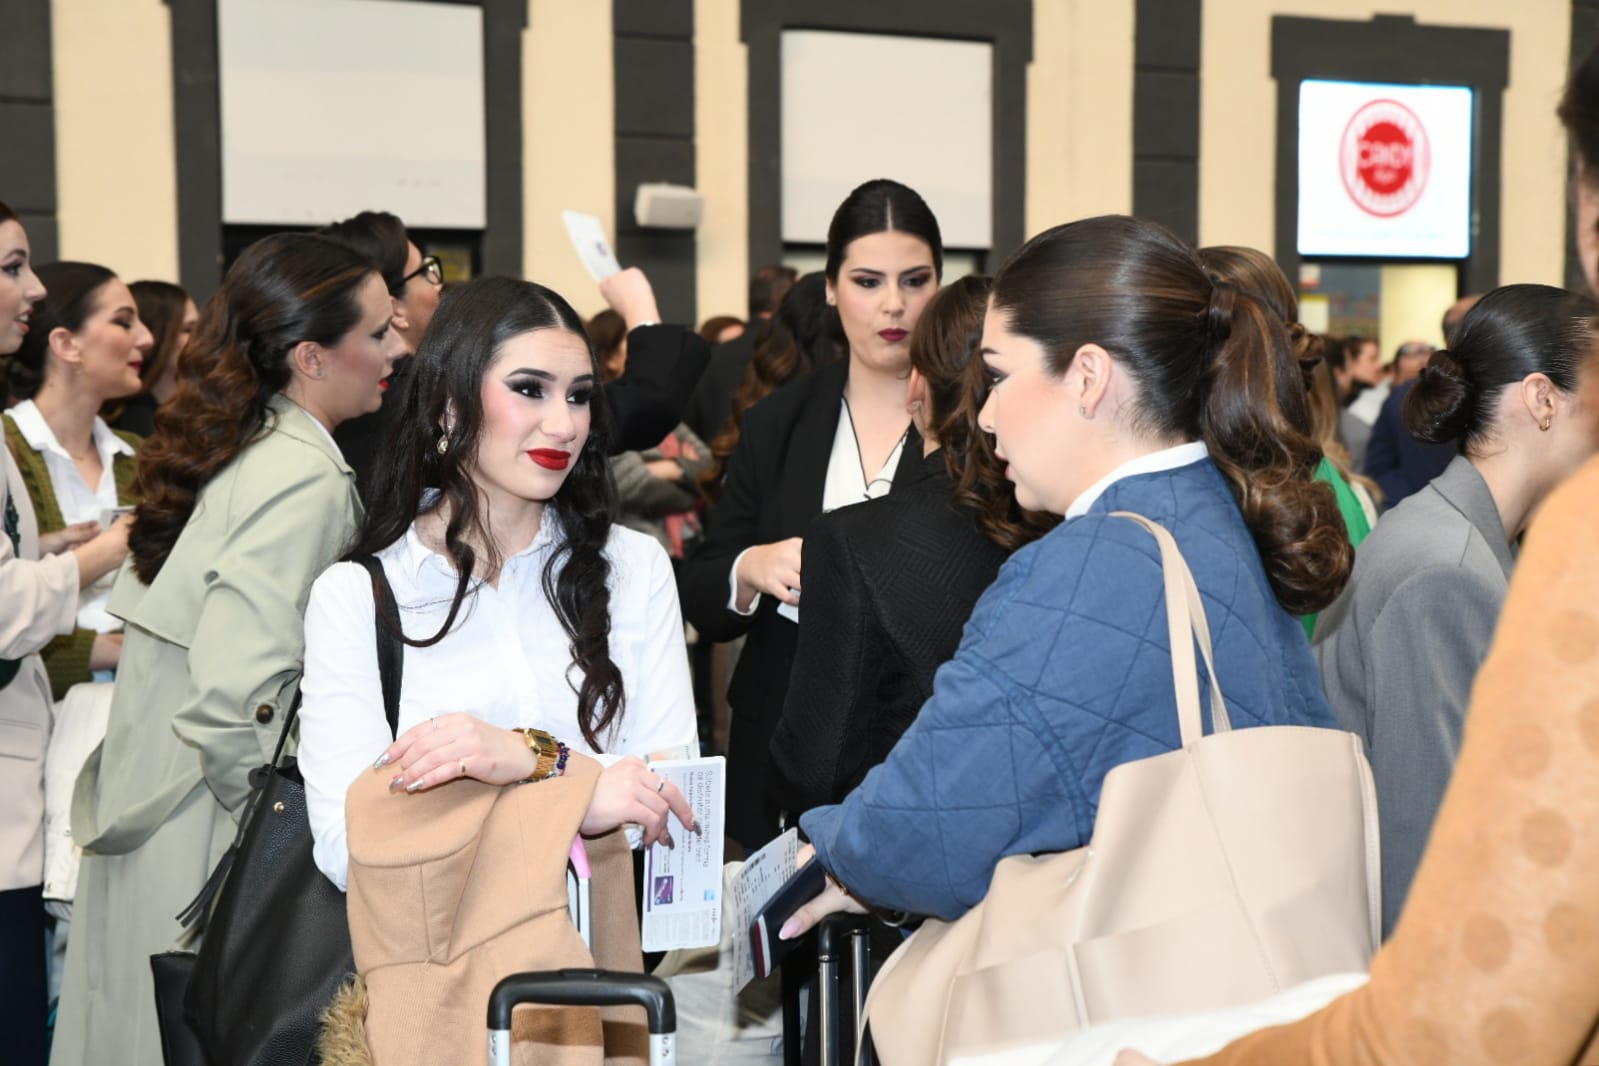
(66, 658)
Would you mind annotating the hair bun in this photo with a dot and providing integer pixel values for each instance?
(1439, 404)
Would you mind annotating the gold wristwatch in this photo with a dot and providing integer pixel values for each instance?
(546, 754)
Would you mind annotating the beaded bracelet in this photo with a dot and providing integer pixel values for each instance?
(547, 751)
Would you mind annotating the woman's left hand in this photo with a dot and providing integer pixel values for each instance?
(450, 746)
(832, 900)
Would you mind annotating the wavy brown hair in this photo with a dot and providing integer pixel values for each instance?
(284, 289)
(804, 334)
(1253, 271)
(942, 348)
(1212, 363)
(473, 323)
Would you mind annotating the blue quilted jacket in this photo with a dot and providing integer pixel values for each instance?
(1063, 672)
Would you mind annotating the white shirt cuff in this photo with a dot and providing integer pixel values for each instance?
(732, 587)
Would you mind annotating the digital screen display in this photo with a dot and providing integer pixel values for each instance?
(1384, 170)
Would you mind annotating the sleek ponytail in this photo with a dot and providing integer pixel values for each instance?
(1212, 363)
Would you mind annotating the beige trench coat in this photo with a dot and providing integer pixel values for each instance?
(210, 665)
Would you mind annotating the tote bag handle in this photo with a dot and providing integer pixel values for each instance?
(1185, 626)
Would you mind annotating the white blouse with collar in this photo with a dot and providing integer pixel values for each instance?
(507, 661)
(78, 500)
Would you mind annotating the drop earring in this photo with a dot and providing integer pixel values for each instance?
(444, 444)
(1544, 426)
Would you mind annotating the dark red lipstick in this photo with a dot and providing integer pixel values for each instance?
(549, 458)
(893, 336)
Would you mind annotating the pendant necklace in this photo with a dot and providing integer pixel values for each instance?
(860, 460)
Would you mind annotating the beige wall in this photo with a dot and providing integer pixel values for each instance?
(116, 179)
(721, 158)
(1079, 111)
(1414, 297)
(1238, 117)
(118, 193)
(569, 139)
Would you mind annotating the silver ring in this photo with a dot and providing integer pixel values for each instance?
(660, 786)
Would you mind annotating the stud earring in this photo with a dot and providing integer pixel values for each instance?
(444, 444)
(1082, 410)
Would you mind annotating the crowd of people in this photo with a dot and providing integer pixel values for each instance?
(902, 500)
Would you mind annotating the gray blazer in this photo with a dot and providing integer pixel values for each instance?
(1400, 648)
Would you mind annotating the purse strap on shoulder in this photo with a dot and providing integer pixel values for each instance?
(391, 649)
(1185, 626)
(391, 663)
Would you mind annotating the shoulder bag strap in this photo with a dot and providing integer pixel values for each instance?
(1185, 625)
(391, 661)
(391, 649)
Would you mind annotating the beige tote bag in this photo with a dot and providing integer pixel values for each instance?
(1240, 865)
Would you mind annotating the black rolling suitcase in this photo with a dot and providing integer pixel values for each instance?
(584, 988)
(843, 954)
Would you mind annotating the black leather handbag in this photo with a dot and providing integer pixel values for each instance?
(277, 944)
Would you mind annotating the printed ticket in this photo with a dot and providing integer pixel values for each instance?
(754, 884)
(682, 888)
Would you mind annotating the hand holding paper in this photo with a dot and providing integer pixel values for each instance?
(588, 237)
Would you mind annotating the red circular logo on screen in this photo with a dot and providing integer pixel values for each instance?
(1383, 158)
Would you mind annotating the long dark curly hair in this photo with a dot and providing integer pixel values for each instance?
(473, 322)
(284, 289)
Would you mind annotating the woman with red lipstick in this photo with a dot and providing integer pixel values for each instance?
(835, 437)
(536, 630)
(84, 346)
(245, 499)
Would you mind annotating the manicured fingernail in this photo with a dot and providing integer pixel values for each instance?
(790, 927)
(414, 785)
(383, 760)
(398, 783)
(666, 838)
(694, 826)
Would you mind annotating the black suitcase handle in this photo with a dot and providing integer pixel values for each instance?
(585, 988)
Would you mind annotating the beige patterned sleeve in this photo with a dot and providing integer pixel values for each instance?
(1496, 957)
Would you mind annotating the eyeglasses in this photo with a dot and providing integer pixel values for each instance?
(431, 268)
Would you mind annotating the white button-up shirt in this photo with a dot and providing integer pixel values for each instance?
(79, 501)
(507, 661)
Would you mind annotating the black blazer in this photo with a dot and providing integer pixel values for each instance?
(772, 489)
(663, 365)
(713, 396)
(889, 586)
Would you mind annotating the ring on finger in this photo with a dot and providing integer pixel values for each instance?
(660, 785)
(462, 764)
